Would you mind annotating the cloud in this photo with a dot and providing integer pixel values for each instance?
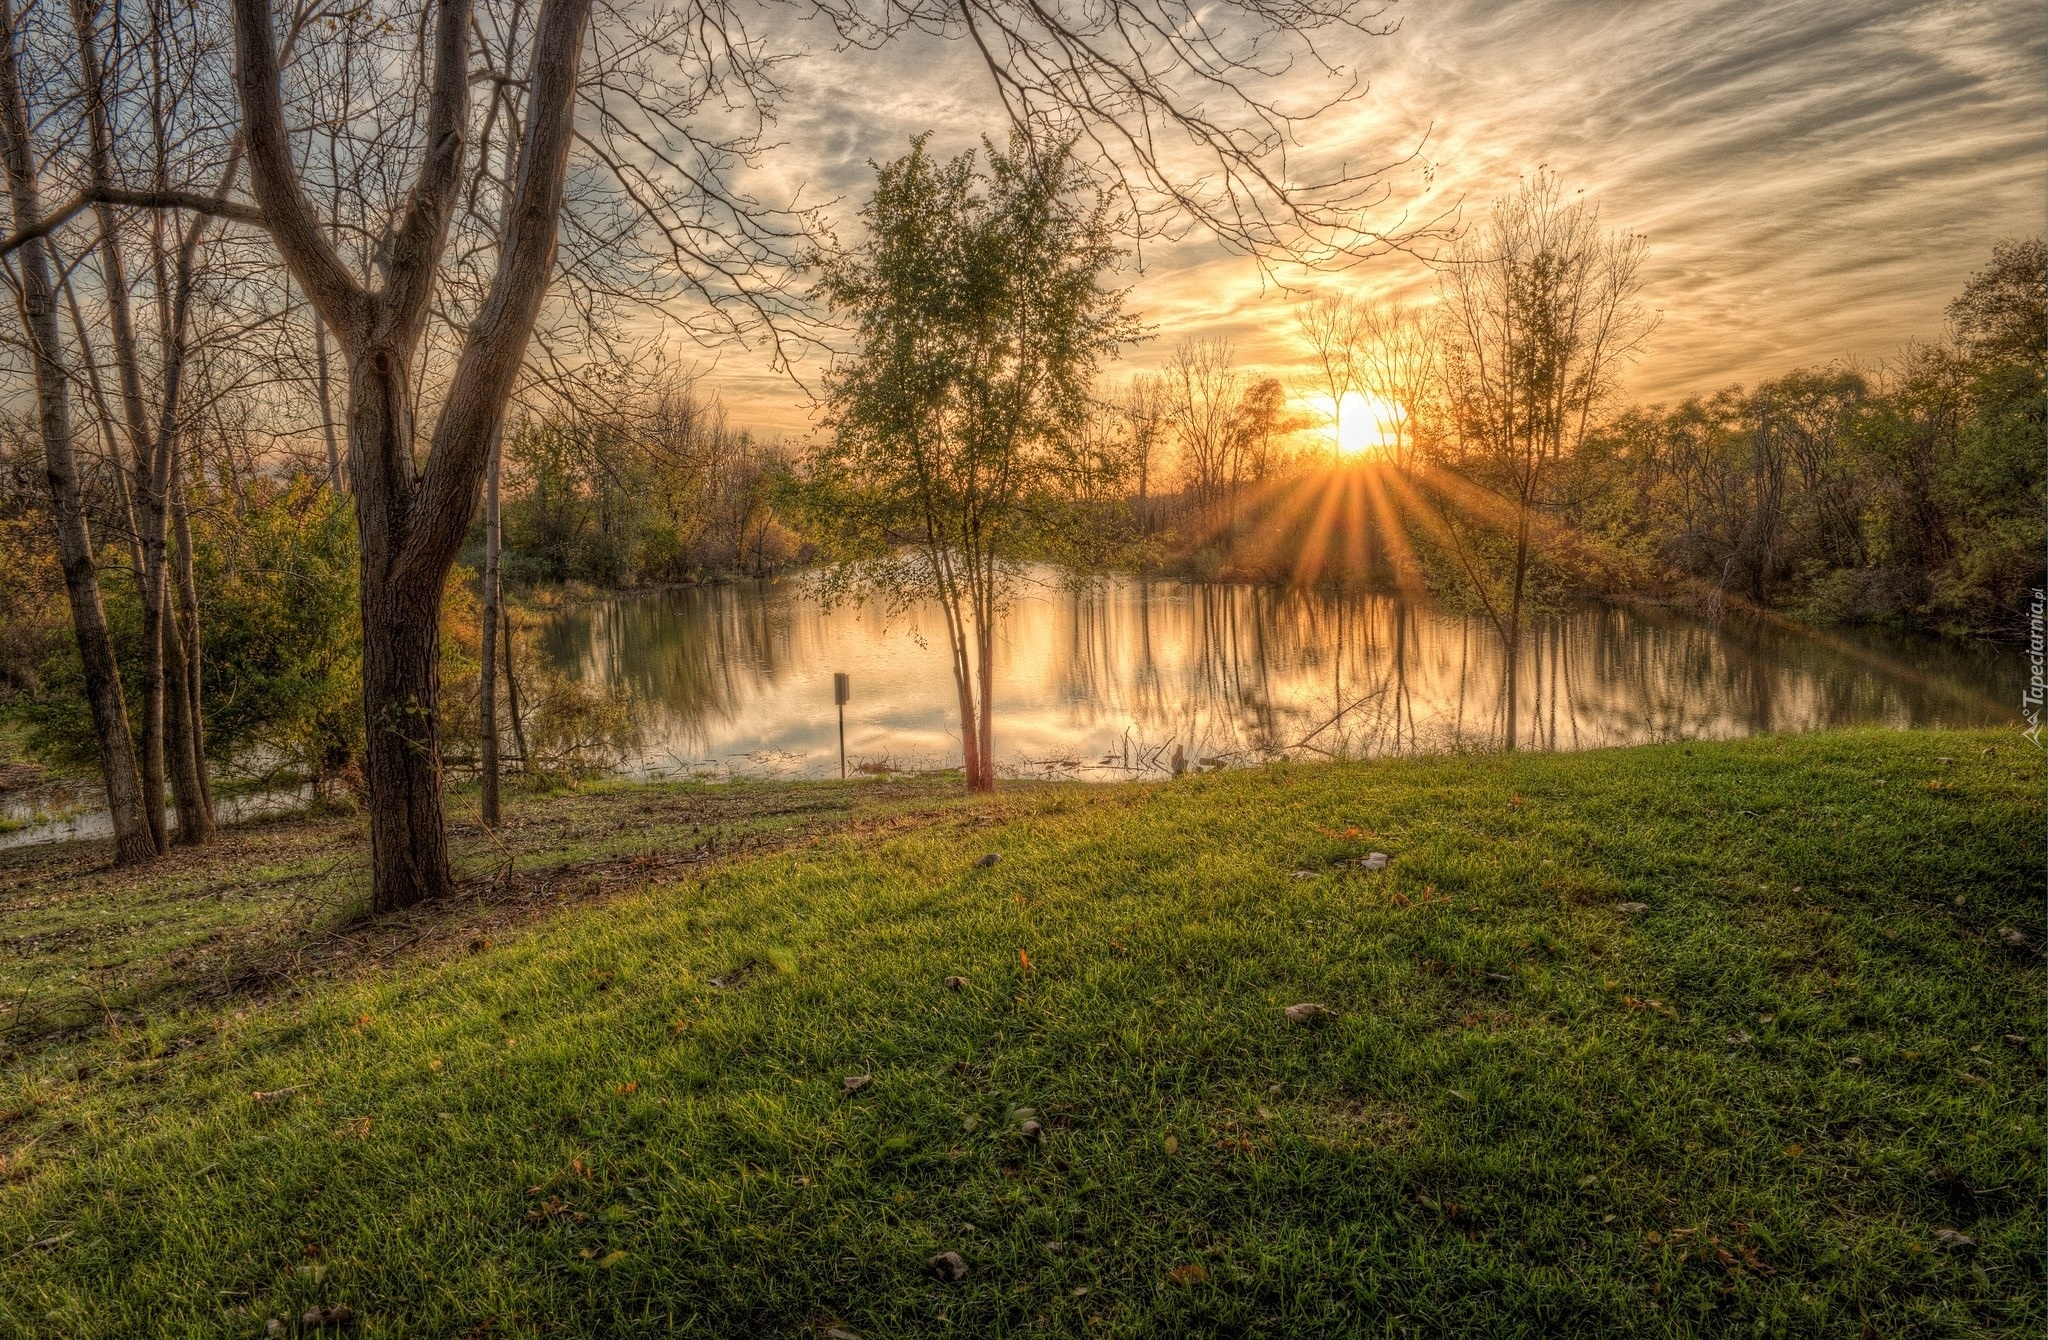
(1816, 178)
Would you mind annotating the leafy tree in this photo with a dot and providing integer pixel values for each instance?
(979, 321)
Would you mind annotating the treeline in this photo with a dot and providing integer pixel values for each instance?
(1909, 494)
(658, 489)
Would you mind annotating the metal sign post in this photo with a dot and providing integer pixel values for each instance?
(842, 689)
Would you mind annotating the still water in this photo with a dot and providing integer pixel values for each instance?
(1104, 682)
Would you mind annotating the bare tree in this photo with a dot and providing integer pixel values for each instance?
(1333, 326)
(1396, 371)
(37, 294)
(1202, 387)
(411, 515)
(1540, 308)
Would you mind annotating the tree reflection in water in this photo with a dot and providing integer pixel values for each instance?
(1105, 679)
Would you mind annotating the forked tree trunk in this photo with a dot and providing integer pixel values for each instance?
(411, 516)
(38, 305)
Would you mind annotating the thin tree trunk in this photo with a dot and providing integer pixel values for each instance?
(984, 639)
(487, 679)
(512, 699)
(324, 381)
(133, 841)
(188, 621)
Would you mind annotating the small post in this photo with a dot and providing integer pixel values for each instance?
(842, 689)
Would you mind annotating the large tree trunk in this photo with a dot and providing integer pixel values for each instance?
(401, 609)
(38, 306)
(410, 516)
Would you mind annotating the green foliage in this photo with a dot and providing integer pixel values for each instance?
(275, 566)
(1748, 1108)
(957, 427)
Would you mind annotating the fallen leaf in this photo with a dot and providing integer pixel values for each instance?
(1794, 1151)
(1375, 861)
(612, 1258)
(1024, 960)
(1853, 1062)
(273, 1095)
(956, 983)
(840, 1333)
(1188, 1274)
(1304, 874)
(1953, 1240)
(1462, 1096)
(949, 1266)
(1173, 1144)
(630, 1086)
(1308, 1012)
(1031, 1130)
(987, 861)
(1630, 909)
(1738, 1037)
(338, 1314)
(2017, 1039)
(2017, 939)
(855, 1083)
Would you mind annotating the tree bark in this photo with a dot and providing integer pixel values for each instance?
(411, 518)
(38, 305)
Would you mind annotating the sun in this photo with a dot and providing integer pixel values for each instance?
(1366, 424)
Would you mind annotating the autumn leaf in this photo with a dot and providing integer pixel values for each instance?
(1188, 1274)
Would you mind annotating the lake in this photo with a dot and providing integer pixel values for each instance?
(1104, 681)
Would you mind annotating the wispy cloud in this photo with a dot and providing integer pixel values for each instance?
(1816, 177)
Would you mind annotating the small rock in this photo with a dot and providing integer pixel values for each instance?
(2017, 939)
(1308, 1012)
(1375, 861)
(855, 1083)
(987, 861)
(2016, 1039)
(956, 983)
(339, 1314)
(1955, 1241)
(1498, 977)
(949, 1266)
(1630, 909)
(1032, 1130)
(840, 1333)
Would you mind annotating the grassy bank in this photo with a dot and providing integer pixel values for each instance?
(615, 1099)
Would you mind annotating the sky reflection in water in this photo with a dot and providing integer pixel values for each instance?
(1103, 682)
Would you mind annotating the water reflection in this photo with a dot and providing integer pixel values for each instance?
(1106, 681)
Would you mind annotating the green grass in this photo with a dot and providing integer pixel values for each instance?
(1747, 1110)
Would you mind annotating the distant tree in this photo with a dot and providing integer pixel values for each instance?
(1333, 325)
(1203, 386)
(1994, 482)
(979, 321)
(1540, 308)
(1396, 371)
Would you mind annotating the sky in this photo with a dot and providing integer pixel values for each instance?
(1815, 178)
